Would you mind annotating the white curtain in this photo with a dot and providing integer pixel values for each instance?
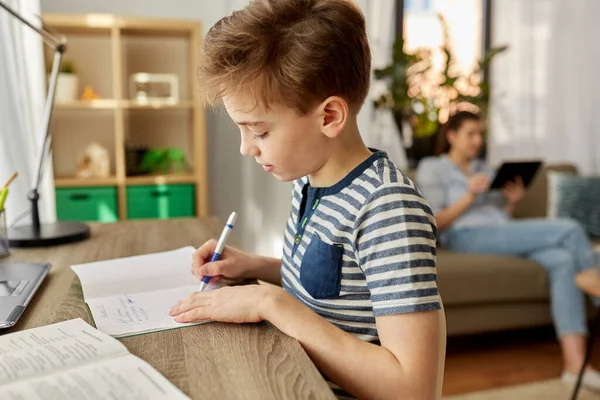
(21, 111)
(519, 78)
(545, 88)
(573, 95)
(381, 132)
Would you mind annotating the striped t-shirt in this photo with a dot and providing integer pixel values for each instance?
(362, 248)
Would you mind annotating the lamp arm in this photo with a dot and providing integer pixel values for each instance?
(59, 45)
(48, 107)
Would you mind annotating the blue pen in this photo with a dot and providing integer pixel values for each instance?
(220, 246)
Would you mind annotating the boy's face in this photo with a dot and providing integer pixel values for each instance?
(286, 144)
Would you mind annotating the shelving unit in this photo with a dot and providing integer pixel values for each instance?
(106, 50)
(66, 182)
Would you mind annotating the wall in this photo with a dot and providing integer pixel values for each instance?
(236, 183)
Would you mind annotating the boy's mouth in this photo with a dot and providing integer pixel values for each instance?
(267, 167)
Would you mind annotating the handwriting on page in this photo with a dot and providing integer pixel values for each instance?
(130, 312)
(138, 312)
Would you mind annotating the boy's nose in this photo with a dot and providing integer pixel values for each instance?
(247, 148)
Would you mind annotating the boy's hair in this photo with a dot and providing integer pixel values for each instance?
(294, 53)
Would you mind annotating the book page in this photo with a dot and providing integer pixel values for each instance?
(52, 348)
(145, 273)
(136, 313)
(126, 377)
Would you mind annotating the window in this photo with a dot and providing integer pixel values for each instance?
(422, 30)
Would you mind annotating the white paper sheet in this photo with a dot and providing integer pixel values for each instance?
(127, 377)
(134, 295)
(54, 347)
(149, 272)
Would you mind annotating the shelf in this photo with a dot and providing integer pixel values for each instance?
(95, 22)
(111, 104)
(162, 28)
(106, 50)
(84, 182)
(132, 105)
(99, 104)
(161, 179)
(85, 24)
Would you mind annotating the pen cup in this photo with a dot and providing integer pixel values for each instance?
(4, 249)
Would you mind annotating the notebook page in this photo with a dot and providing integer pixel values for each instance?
(145, 273)
(51, 348)
(136, 313)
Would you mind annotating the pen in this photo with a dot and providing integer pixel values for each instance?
(220, 246)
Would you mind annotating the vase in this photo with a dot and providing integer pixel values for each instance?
(67, 88)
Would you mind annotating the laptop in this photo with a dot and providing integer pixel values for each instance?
(18, 284)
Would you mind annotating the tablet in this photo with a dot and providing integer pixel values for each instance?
(510, 170)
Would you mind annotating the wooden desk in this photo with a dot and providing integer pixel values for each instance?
(210, 361)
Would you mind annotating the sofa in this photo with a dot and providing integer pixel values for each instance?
(484, 292)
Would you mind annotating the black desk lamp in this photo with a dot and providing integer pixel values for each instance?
(36, 234)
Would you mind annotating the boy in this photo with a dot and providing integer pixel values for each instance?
(358, 272)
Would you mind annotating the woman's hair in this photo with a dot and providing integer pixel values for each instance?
(454, 123)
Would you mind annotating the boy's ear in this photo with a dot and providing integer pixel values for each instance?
(334, 113)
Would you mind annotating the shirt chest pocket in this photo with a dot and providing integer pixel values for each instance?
(321, 269)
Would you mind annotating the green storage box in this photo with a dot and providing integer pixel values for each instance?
(160, 201)
(87, 204)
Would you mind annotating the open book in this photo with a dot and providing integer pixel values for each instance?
(72, 360)
(134, 295)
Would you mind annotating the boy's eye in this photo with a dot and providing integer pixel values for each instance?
(260, 136)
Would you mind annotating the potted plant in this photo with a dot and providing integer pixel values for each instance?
(422, 98)
(67, 85)
(169, 160)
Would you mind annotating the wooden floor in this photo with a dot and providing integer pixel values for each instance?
(503, 359)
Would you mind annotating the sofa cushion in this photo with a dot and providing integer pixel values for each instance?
(576, 197)
(470, 279)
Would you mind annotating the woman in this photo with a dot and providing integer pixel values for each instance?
(472, 218)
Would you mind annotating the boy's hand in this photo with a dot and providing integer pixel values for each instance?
(238, 304)
(233, 263)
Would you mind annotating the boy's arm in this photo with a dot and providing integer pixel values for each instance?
(395, 248)
(406, 365)
(395, 245)
(266, 269)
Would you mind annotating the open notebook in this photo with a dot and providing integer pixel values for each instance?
(72, 360)
(133, 295)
